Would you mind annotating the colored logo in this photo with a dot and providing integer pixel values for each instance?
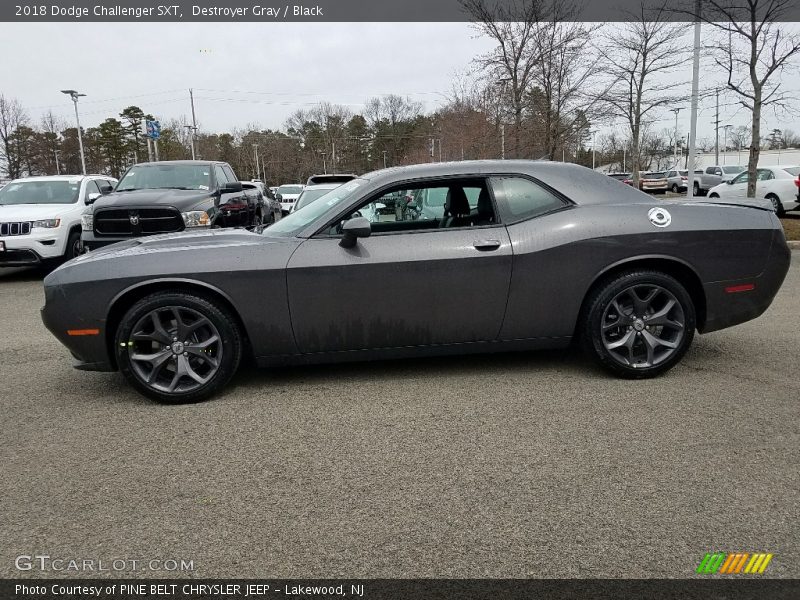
(734, 563)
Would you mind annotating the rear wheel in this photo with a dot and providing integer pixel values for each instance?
(697, 189)
(176, 347)
(776, 205)
(675, 188)
(638, 324)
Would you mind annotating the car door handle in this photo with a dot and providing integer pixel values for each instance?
(485, 245)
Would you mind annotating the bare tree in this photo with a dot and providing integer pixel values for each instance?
(512, 24)
(634, 56)
(12, 117)
(754, 50)
(740, 136)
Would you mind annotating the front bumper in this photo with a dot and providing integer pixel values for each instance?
(32, 249)
(92, 242)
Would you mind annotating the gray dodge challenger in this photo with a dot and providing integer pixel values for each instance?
(481, 256)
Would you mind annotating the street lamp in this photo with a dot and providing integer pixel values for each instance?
(675, 156)
(75, 95)
(725, 142)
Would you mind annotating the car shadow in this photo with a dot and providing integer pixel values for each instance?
(25, 273)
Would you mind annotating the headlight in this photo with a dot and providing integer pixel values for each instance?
(87, 222)
(196, 218)
(46, 224)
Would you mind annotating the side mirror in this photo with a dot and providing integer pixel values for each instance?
(231, 187)
(279, 197)
(106, 189)
(729, 182)
(354, 229)
(92, 197)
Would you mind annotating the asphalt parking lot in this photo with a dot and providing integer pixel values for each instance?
(522, 465)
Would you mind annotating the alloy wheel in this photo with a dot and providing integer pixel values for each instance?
(643, 326)
(175, 349)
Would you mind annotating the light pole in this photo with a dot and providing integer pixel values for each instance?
(255, 151)
(675, 155)
(58, 168)
(324, 163)
(594, 139)
(75, 95)
(725, 142)
(384, 158)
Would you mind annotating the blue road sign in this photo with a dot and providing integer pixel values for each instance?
(153, 129)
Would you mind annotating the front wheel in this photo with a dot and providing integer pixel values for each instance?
(74, 246)
(177, 347)
(675, 188)
(714, 195)
(638, 324)
(697, 189)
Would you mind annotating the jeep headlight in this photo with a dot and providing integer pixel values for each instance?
(87, 222)
(196, 218)
(46, 224)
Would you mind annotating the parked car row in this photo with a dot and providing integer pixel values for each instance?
(777, 185)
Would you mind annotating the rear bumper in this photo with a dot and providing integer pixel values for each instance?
(730, 303)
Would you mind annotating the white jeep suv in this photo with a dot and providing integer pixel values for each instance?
(40, 217)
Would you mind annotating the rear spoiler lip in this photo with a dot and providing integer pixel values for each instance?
(756, 204)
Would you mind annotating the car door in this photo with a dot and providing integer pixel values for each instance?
(413, 282)
(229, 203)
(765, 182)
(737, 187)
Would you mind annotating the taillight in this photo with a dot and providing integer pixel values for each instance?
(797, 182)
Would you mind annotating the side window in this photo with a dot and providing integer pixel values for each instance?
(91, 188)
(441, 205)
(519, 198)
(742, 178)
(764, 175)
(220, 176)
(229, 173)
(710, 171)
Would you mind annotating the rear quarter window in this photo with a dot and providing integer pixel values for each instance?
(519, 198)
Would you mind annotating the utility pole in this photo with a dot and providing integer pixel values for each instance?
(324, 164)
(191, 128)
(716, 132)
(502, 141)
(58, 168)
(695, 90)
(384, 158)
(675, 156)
(75, 95)
(194, 122)
(333, 157)
(594, 140)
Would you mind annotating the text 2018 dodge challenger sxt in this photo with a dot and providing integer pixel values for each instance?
(430, 259)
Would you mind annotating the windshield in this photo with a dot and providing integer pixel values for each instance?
(166, 176)
(299, 219)
(683, 173)
(40, 192)
(290, 189)
(732, 170)
(308, 196)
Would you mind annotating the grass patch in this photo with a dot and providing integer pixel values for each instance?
(791, 226)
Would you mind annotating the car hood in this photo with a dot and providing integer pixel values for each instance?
(32, 212)
(180, 199)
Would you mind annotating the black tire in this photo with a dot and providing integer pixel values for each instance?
(697, 190)
(257, 219)
(226, 353)
(74, 246)
(596, 333)
(714, 195)
(675, 188)
(776, 205)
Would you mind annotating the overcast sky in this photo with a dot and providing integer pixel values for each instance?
(247, 73)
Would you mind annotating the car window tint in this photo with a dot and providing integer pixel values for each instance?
(229, 173)
(444, 205)
(763, 175)
(710, 170)
(91, 188)
(519, 198)
(222, 179)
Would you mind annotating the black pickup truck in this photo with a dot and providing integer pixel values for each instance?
(171, 196)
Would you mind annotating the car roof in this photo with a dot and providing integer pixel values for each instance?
(62, 177)
(323, 186)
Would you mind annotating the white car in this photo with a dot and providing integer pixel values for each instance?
(40, 217)
(289, 192)
(311, 193)
(779, 185)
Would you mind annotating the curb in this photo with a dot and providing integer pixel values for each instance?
(794, 245)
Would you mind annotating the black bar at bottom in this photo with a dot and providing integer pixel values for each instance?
(733, 588)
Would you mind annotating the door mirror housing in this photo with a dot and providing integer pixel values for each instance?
(729, 182)
(231, 187)
(92, 197)
(354, 229)
(279, 197)
(106, 189)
